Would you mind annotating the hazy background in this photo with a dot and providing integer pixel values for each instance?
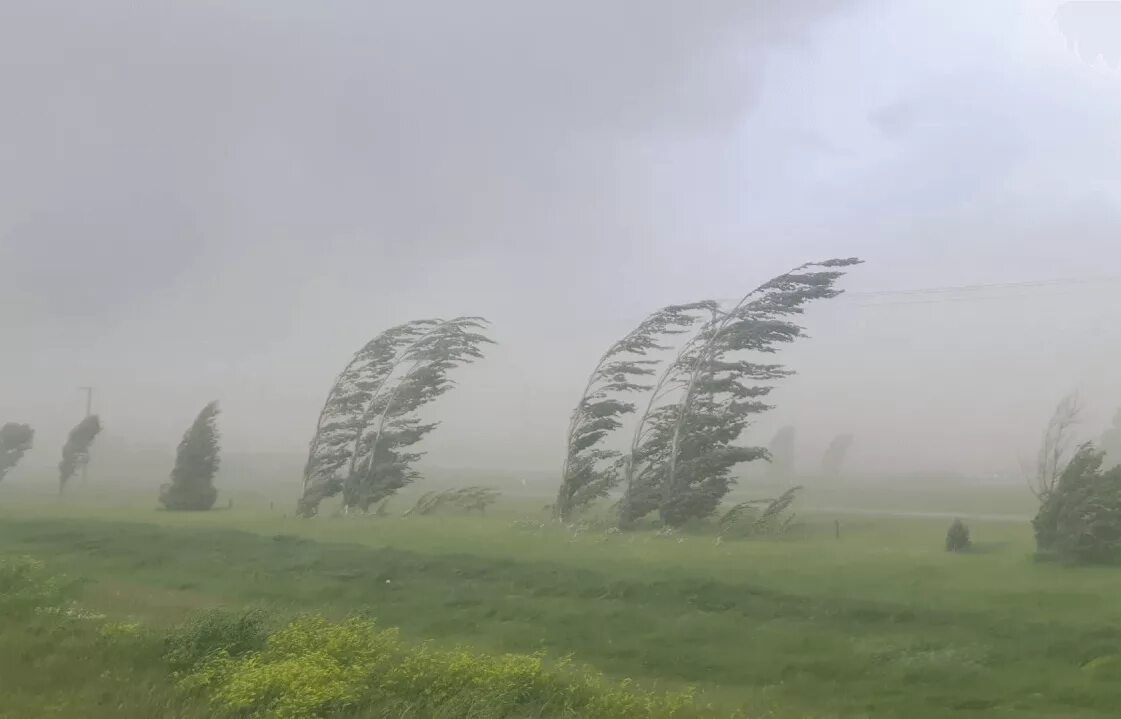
(222, 200)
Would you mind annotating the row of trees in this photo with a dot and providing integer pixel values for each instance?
(679, 459)
(192, 479)
(680, 456)
(17, 439)
(782, 451)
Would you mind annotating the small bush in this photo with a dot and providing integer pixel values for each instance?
(314, 668)
(957, 537)
(215, 632)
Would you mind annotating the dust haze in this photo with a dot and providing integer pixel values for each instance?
(204, 200)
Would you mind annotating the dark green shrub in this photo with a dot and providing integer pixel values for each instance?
(1080, 521)
(957, 537)
(192, 480)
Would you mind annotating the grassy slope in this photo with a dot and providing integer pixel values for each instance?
(881, 623)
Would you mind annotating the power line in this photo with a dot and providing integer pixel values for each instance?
(968, 293)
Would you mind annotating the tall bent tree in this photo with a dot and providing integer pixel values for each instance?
(76, 451)
(683, 450)
(196, 462)
(15, 441)
(368, 423)
(589, 471)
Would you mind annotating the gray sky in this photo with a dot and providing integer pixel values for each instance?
(207, 199)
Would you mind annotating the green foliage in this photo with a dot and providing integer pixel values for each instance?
(994, 636)
(1080, 520)
(76, 451)
(957, 537)
(15, 441)
(465, 499)
(192, 479)
(684, 450)
(759, 517)
(315, 668)
(213, 633)
(589, 471)
(26, 586)
(368, 424)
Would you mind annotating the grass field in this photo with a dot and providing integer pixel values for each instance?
(881, 622)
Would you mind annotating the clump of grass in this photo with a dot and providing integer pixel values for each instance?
(27, 587)
(314, 667)
(216, 632)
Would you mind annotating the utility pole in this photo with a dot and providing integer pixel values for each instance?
(89, 411)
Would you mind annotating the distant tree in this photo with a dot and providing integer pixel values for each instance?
(1110, 443)
(362, 441)
(15, 441)
(589, 471)
(1080, 518)
(192, 479)
(835, 454)
(957, 537)
(782, 453)
(683, 448)
(76, 451)
(1056, 447)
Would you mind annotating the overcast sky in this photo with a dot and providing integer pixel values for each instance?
(222, 200)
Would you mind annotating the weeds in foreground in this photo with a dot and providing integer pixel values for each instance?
(314, 667)
(229, 664)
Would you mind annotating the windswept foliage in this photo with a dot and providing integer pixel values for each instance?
(76, 451)
(313, 667)
(683, 449)
(15, 441)
(757, 517)
(196, 462)
(368, 423)
(465, 499)
(590, 471)
(1055, 450)
(1080, 518)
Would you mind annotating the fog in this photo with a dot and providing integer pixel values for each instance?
(204, 200)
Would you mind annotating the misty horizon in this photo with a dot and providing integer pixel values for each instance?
(207, 201)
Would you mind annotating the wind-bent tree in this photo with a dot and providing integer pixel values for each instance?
(682, 452)
(782, 453)
(589, 471)
(15, 441)
(368, 424)
(192, 479)
(76, 451)
(1080, 517)
(1057, 447)
(835, 454)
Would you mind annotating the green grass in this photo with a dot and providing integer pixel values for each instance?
(880, 623)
